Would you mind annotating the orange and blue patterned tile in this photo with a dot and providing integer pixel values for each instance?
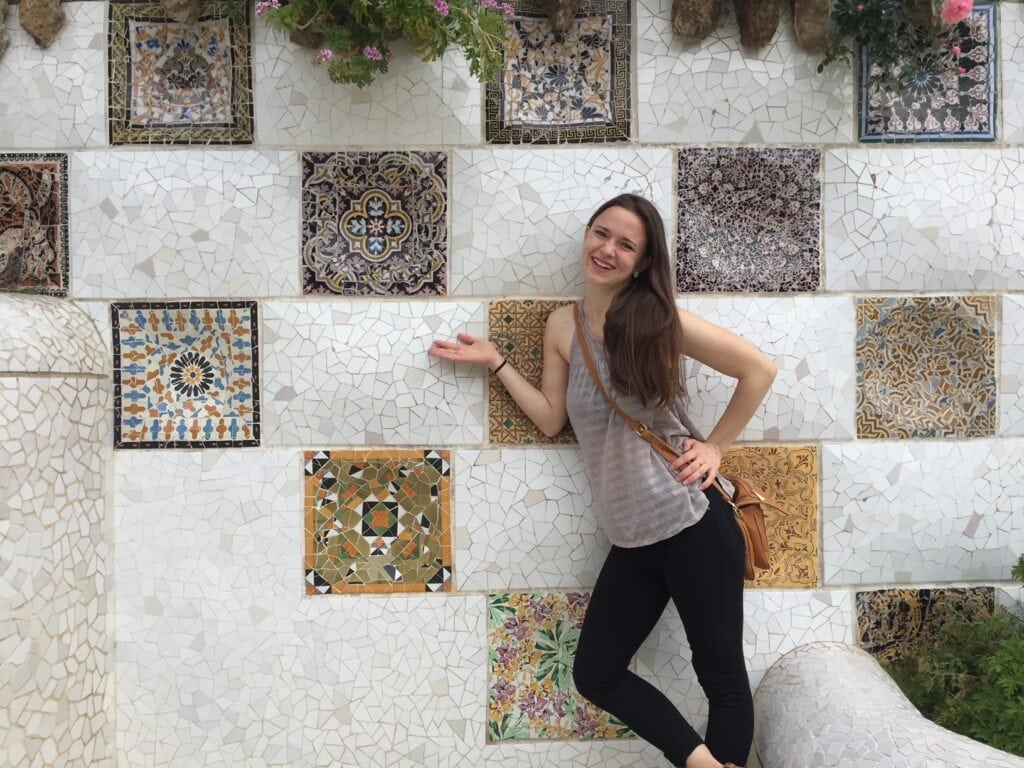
(378, 521)
(34, 224)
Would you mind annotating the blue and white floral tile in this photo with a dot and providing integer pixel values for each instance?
(173, 83)
(185, 374)
(375, 223)
(563, 86)
(954, 102)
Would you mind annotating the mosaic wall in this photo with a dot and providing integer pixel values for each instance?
(336, 549)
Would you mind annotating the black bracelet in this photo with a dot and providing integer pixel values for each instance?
(504, 362)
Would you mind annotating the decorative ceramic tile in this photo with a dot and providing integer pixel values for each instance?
(34, 224)
(56, 571)
(375, 223)
(47, 335)
(525, 520)
(517, 222)
(714, 91)
(378, 521)
(571, 85)
(60, 89)
(924, 218)
(416, 104)
(890, 622)
(789, 474)
(1011, 70)
(926, 366)
(357, 373)
(955, 101)
(1011, 364)
(173, 83)
(810, 339)
(516, 328)
(530, 694)
(921, 511)
(186, 374)
(185, 223)
(748, 219)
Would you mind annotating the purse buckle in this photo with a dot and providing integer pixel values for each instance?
(641, 428)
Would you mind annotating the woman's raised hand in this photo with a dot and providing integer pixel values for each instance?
(468, 349)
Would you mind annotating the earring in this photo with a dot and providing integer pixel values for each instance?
(636, 275)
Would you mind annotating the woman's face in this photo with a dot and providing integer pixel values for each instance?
(613, 247)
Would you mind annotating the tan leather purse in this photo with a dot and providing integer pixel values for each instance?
(747, 502)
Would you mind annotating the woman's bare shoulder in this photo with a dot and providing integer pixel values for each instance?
(559, 329)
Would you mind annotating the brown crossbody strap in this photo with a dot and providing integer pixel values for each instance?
(666, 451)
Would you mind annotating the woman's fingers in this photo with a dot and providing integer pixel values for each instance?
(465, 338)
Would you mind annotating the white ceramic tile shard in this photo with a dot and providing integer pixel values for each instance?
(48, 335)
(917, 218)
(184, 223)
(1011, 70)
(518, 217)
(357, 373)
(908, 513)
(713, 90)
(524, 520)
(1011, 367)
(417, 102)
(55, 637)
(60, 90)
(810, 340)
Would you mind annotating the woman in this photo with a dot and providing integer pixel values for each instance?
(672, 534)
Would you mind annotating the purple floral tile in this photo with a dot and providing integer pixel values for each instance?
(375, 223)
(34, 224)
(954, 102)
(748, 220)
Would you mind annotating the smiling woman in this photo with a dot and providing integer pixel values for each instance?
(673, 535)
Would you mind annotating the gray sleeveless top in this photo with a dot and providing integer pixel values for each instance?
(637, 498)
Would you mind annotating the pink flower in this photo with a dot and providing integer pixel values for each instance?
(489, 5)
(373, 54)
(956, 50)
(508, 10)
(954, 11)
(325, 54)
(441, 7)
(263, 5)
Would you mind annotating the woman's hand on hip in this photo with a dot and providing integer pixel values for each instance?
(699, 462)
(468, 349)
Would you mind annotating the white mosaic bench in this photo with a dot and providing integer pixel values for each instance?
(831, 705)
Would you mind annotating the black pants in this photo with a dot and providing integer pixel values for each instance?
(701, 569)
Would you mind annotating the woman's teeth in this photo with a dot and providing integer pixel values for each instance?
(602, 264)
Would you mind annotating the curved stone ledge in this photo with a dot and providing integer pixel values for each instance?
(40, 334)
(831, 705)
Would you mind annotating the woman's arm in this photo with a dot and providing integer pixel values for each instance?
(736, 357)
(544, 406)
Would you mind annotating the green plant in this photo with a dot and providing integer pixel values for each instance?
(970, 678)
(354, 36)
(904, 37)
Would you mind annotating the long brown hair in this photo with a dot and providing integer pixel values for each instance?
(642, 335)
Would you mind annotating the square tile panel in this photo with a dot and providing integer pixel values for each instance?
(378, 521)
(926, 366)
(375, 223)
(185, 374)
(516, 328)
(789, 474)
(556, 86)
(748, 219)
(530, 692)
(890, 622)
(939, 105)
(34, 224)
(173, 83)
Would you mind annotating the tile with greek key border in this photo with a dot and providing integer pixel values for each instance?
(926, 366)
(34, 224)
(516, 328)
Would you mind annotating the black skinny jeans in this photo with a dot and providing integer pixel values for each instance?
(701, 569)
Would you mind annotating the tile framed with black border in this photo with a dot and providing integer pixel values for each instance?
(925, 111)
(583, 101)
(186, 374)
(165, 88)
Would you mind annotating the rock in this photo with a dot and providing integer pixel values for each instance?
(812, 20)
(43, 19)
(695, 18)
(561, 12)
(3, 27)
(306, 38)
(758, 20)
(184, 11)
